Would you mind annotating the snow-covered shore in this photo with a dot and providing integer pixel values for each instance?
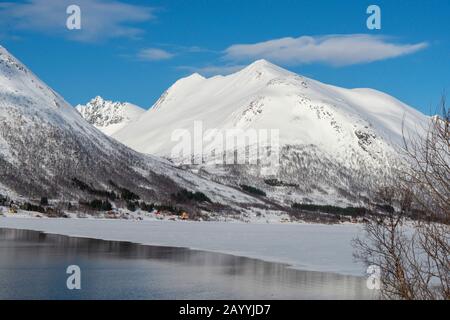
(311, 247)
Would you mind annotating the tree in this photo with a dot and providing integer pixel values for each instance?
(414, 255)
(44, 201)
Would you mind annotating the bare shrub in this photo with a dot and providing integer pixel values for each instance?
(411, 244)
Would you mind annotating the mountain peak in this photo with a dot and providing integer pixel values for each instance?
(97, 99)
(192, 78)
(263, 66)
(109, 116)
(195, 75)
(188, 81)
(261, 63)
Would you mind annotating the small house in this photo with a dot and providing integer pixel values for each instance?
(184, 216)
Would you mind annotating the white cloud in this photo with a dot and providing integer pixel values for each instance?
(100, 19)
(154, 54)
(338, 50)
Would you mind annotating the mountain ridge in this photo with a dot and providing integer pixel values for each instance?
(355, 132)
(48, 150)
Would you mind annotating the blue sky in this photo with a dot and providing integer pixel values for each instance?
(134, 50)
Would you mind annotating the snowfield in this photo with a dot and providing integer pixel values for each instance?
(313, 247)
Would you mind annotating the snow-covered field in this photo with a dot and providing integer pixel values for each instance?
(313, 247)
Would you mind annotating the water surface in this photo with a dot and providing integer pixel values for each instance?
(33, 266)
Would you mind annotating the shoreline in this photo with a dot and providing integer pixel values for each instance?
(306, 247)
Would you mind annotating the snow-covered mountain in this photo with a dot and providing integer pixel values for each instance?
(331, 139)
(45, 144)
(108, 116)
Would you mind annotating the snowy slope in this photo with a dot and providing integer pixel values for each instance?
(45, 143)
(330, 137)
(107, 116)
(266, 96)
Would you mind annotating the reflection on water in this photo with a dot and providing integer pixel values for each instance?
(33, 266)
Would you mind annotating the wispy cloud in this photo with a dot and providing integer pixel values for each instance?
(154, 54)
(164, 51)
(337, 50)
(100, 19)
(186, 49)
